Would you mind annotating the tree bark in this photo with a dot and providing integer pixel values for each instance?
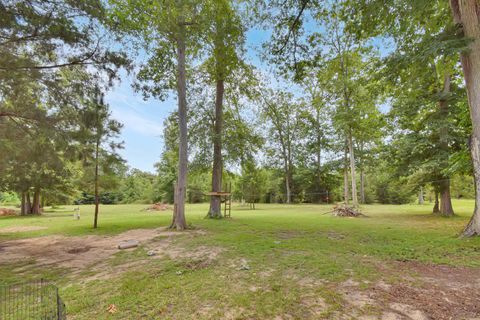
(97, 197)
(465, 13)
(29, 204)
(436, 207)
(215, 202)
(421, 200)
(180, 222)
(446, 208)
(362, 186)
(36, 201)
(319, 156)
(362, 176)
(352, 170)
(287, 187)
(25, 209)
(345, 176)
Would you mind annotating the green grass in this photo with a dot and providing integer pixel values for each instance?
(283, 244)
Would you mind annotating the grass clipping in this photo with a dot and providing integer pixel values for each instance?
(343, 210)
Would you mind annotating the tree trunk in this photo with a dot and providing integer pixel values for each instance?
(287, 187)
(362, 186)
(446, 208)
(352, 171)
(25, 209)
(345, 177)
(215, 202)
(362, 176)
(436, 207)
(36, 201)
(29, 204)
(421, 200)
(172, 225)
(97, 197)
(179, 222)
(319, 157)
(465, 13)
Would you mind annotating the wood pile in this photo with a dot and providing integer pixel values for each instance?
(346, 211)
(158, 207)
(7, 212)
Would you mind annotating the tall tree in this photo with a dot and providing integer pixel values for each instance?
(425, 38)
(466, 14)
(98, 134)
(284, 116)
(162, 25)
(226, 34)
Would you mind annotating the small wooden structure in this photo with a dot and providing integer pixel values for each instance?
(225, 198)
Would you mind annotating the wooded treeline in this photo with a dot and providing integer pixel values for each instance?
(362, 101)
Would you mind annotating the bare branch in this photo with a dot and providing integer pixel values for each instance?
(293, 26)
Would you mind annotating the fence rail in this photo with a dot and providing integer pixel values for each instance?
(38, 300)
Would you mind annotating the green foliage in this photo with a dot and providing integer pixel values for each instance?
(104, 198)
(391, 191)
(138, 187)
(9, 198)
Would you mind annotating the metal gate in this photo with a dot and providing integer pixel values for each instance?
(38, 300)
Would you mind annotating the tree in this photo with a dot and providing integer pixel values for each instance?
(163, 26)
(342, 65)
(410, 20)
(315, 131)
(138, 187)
(226, 36)
(279, 108)
(38, 38)
(37, 145)
(466, 16)
(98, 134)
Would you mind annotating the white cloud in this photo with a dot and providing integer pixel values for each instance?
(138, 123)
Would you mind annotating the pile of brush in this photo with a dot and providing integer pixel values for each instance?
(342, 210)
(157, 207)
(7, 212)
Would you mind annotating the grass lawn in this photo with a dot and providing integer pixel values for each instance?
(275, 262)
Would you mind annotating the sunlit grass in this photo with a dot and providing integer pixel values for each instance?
(291, 242)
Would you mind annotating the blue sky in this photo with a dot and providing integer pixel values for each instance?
(143, 120)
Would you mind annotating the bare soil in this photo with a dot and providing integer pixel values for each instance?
(423, 291)
(437, 291)
(93, 252)
(15, 229)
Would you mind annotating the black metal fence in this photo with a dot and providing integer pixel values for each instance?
(37, 300)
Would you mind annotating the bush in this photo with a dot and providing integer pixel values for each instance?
(105, 198)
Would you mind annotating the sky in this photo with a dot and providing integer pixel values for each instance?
(143, 119)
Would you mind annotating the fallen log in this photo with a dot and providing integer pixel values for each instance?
(128, 244)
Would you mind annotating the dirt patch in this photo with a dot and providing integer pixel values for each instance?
(15, 229)
(197, 264)
(436, 292)
(425, 292)
(81, 252)
(78, 250)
